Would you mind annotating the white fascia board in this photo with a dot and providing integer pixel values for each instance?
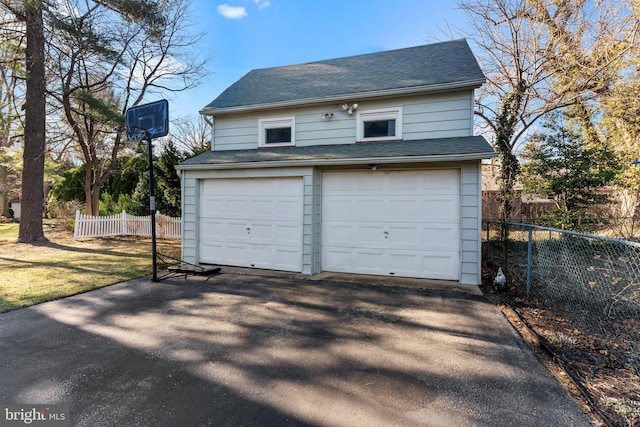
(338, 162)
(445, 87)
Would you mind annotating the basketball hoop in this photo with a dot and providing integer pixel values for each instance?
(146, 122)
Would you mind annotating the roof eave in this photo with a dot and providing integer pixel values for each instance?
(339, 162)
(467, 84)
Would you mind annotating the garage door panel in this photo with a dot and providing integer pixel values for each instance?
(422, 265)
(368, 208)
(369, 184)
(369, 261)
(404, 209)
(269, 257)
(342, 209)
(288, 210)
(274, 233)
(355, 235)
(420, 208)
(427, 237)
(255, 222)
(236, 208)
(340, 235)
(360, 184)
(405, 263)
(444, 238)
(405, 223)
(261, 233)
(285, 259)
(224, 230)
(234, 254)
(405, 237)
(260, 208)
(405, 184)
(225, 253)
(369, 235)
(441, 210)
(439, 266)
(441, 182)
(359, 261)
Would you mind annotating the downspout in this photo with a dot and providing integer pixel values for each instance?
(209, 120)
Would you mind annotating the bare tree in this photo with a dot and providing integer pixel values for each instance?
(511, 52)
(104, 70)
(535, 55)
(596, 60)
(191, 135)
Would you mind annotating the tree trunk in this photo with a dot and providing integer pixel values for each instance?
(32, 200)
(88, 191)
(509, 164)
(94, 204)
(4, 200)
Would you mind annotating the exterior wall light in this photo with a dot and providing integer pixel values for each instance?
(349, 108)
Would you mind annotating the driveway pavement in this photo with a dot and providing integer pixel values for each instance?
(243, 349)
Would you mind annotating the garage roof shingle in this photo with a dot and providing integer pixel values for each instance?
(448, 65)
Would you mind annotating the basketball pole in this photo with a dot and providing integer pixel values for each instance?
(152, 208)
(149, 121)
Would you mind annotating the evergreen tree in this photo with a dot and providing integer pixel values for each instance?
(560, 164)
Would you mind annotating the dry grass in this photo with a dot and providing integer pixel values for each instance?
(34, 273)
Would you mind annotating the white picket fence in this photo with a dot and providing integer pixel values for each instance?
(124, 224)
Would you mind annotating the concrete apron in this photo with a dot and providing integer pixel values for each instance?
(250, 349)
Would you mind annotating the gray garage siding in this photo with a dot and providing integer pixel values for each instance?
(436, 116)
(471, 223)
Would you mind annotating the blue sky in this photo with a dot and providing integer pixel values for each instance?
(245, 34)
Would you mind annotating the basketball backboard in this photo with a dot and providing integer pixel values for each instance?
(152, 118)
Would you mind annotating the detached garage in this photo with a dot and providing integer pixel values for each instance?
(364, 164)
(327, 208)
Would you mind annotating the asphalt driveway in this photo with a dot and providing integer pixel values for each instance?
(251, 350)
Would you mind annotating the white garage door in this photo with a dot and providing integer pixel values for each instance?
(255, 222)
(402, 223)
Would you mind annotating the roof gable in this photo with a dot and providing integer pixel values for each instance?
(446, 65)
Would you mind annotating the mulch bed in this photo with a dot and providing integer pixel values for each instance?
(610, 386)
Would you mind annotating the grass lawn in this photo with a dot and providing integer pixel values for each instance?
(34, 273)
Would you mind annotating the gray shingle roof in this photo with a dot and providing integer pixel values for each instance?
(428, 67)
(460, 148)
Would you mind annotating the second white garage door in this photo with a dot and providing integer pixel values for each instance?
(253, 222)
(402, 223)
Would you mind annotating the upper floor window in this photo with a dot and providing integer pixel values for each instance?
(278, 132)
(382, 124)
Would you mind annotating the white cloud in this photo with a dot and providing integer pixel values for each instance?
(232, 12)
(262, 3)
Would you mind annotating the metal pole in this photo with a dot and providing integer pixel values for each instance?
(152, 208)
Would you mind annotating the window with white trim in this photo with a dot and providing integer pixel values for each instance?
(381, 124)
(277, 132)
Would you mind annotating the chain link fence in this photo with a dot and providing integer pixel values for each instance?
(591, 281)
